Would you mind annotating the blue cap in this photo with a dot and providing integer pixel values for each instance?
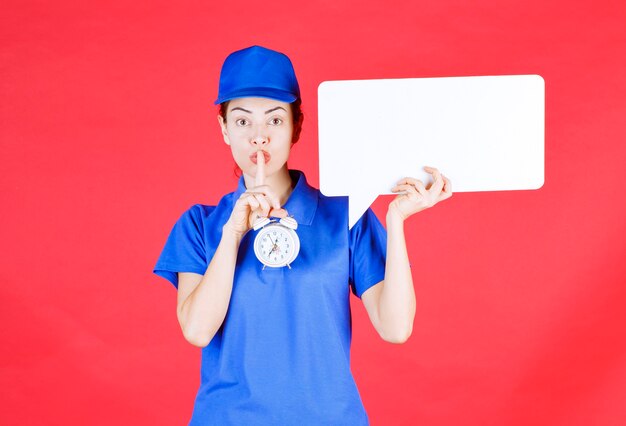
(258, 72)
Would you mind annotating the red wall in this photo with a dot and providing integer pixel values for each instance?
(108, 134)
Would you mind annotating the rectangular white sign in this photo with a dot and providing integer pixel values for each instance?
(485, 133)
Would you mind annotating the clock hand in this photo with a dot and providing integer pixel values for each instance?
(275, 248)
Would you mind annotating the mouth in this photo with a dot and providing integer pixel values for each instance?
(266, 155)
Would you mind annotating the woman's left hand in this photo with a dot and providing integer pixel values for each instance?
(416, 197)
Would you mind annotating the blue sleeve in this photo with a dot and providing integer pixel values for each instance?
(368, 253)
(184, 249)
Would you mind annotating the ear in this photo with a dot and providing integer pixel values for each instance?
(220, 120)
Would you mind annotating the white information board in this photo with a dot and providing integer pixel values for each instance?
(485, 133)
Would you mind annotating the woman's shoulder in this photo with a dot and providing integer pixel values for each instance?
(202, 210)
(198, 213)
(205, 210)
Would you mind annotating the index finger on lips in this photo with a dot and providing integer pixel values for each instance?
(260, 169)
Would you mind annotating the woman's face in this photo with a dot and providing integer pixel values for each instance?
(254, 124)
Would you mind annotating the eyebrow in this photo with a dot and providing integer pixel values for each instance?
(241, 109)
(250, 112)
(274, 109)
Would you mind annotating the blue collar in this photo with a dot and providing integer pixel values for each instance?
(302, 202)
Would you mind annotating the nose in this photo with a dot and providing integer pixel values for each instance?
(260, 138)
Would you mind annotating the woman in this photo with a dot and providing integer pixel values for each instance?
(276, 341)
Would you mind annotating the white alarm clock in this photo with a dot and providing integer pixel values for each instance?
(276, 244)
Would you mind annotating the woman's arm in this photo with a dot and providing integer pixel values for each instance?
(203, 300)
(391, 303)
(396, 303)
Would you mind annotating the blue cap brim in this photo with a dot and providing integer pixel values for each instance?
(276, 94)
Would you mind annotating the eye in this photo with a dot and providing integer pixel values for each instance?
(241, 122)
(276, 121)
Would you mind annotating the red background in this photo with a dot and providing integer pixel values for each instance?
(109, 134)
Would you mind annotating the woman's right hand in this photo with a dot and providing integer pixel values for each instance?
(256, 202)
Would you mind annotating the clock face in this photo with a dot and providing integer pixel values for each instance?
(276, 245)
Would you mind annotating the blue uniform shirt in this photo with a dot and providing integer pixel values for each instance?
(282, 355)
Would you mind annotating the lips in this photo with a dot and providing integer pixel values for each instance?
(265, 154)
